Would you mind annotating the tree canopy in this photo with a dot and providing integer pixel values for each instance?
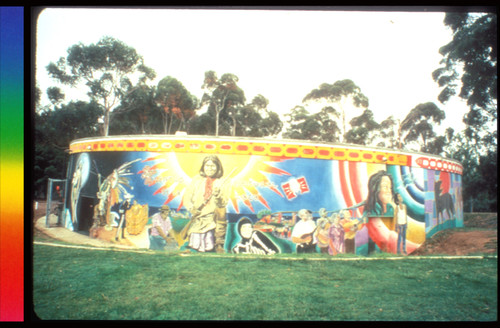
(319, 126)
(53, 131)
(137, 113)
(364, 129)
(339, 95)
(388, 133)
(256, 120)
(418, 124)
(222, 96)
(469, 70)
(105, 68)
(176, 103)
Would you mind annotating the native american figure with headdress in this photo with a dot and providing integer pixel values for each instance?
(112, 191)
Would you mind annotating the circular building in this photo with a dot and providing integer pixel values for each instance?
(259, 196)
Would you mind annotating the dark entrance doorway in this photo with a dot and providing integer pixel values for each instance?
(86, 213)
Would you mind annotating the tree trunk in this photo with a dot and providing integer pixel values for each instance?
(170, 124)
(343, 126)
(425, 150)
(182, 124)
(400, 145)
(165, 123)
(106, 123)
(216, 122)
(233, 133)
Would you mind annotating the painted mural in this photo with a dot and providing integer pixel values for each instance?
(265, 201)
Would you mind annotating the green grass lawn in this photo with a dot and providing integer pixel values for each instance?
(103, 284)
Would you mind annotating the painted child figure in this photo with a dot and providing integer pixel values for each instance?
(401, 223)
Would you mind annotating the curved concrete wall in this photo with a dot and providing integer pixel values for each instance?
(118, 185)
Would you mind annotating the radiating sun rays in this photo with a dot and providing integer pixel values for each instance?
(171, 173)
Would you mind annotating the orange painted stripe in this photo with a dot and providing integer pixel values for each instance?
(264, 149)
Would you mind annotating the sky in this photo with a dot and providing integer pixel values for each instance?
(280, 54)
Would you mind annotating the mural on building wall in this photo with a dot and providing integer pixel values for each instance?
(258, 204)
(252, 241)
(443, 201)
(78, 181)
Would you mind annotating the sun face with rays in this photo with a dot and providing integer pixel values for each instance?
(171, 173)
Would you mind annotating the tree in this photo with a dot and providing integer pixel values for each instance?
(271, 125)
(54, 129)
(363, 129)
(339, 95)
(106, 69)
(306, 126)
(469, 70)
(418, 125)
(486, 197)
(176, 103)
(255, 120)
(300, 125)
(442, 145)
(201, 125)
(471, 57)
(68, 122)
(221, 95)
(55, 95)
(246, 122)
(137, 113)
(479, 178)
(329, 129)
(387, 133)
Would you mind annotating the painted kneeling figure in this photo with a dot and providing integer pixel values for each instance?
(160, 230)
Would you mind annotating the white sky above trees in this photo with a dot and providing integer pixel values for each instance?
(282, 55)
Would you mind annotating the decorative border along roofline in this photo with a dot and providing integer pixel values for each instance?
(264, 147)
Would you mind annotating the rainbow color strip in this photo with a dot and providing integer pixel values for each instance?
(11, 163)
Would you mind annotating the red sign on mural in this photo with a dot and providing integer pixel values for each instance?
(295, 187)
(303, 185)
(288, 191)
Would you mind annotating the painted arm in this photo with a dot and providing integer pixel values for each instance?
(266, 249)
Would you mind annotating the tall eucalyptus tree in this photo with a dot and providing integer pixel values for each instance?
(176, 103)
(340, 95)
(221, 95)
(106, 68)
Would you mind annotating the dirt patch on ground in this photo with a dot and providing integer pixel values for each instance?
(461, 241)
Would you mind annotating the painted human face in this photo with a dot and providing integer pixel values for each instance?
(165, 213)
(210, 168)
(246, 230)
(400, 198)
(385, 190)
(306, 216)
